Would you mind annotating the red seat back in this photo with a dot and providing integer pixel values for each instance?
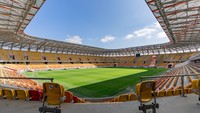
(35, 95)
(69, 97)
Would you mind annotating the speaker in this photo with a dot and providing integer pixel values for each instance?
(137, 55)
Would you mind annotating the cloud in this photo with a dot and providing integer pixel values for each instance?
(107, 38)
(152, 31)
(129, 36)
(161, 35)
(74, 39)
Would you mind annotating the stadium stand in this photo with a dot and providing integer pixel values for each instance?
(21, 52)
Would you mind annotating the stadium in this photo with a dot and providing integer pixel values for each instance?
(93, 79)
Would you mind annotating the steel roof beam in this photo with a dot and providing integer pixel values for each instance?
(11, 6)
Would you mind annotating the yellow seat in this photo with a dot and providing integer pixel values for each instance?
(53, 94)
(123, 98)
(8, 94)
(177, 92)
(160, 93)
(116, 99)
(132, 96)
(169, 92)
(1, 93)
(21, 94)
(196, 87)
(146, 92)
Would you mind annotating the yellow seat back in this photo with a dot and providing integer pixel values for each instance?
(160, 93)
(144, 90)
(21, 94)
(116, 99)
(169, 92)
(8, 93)
(53, 93)
(123, 98)
(1, 93)
(132, 97)
(196, 85)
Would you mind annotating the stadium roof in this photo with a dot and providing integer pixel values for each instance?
(15, 15)
(180, 19)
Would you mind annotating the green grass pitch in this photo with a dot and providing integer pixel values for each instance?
(98, 82)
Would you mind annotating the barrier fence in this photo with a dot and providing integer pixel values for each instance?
(51, 79)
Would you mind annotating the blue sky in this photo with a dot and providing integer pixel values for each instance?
(110, 24)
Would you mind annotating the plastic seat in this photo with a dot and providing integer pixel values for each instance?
(53, 94)
(69, 97)
(81, 100)
(1, 93)
(146, 92)
(116, 99)
(124, 98)
(75, 99)
(160, 93)
(21, 94)
(8, 94)
(35, 95)
(177, 92)
(132, 97)
(196, 87)
(169, 92)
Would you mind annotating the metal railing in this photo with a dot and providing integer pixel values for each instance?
(51, 79)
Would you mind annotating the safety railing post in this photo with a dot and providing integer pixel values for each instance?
(182, 85)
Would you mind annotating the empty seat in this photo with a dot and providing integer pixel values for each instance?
(190, 90)
(35, 95)
(160, 93)
(177, 92)
(196, 87)
(81, 100)
(169, 92)
(21, 94)
(116, 99)
(53, 94)
(123, 98)
(1, 93)
(146, 92)
(8, 94)
(75, 99)
(69, 97)
(132, 97)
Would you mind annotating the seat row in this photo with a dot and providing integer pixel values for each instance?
(20, 94)
(34, 95)
(124, 98)
(161, 93)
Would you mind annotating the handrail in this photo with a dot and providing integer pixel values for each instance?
(51, 79)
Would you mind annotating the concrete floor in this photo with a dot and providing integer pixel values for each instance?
(173, 104)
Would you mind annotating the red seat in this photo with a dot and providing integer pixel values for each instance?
(69, 97)
(35, 95)
(76, 100)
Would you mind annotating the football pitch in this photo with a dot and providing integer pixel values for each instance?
(98, 82)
